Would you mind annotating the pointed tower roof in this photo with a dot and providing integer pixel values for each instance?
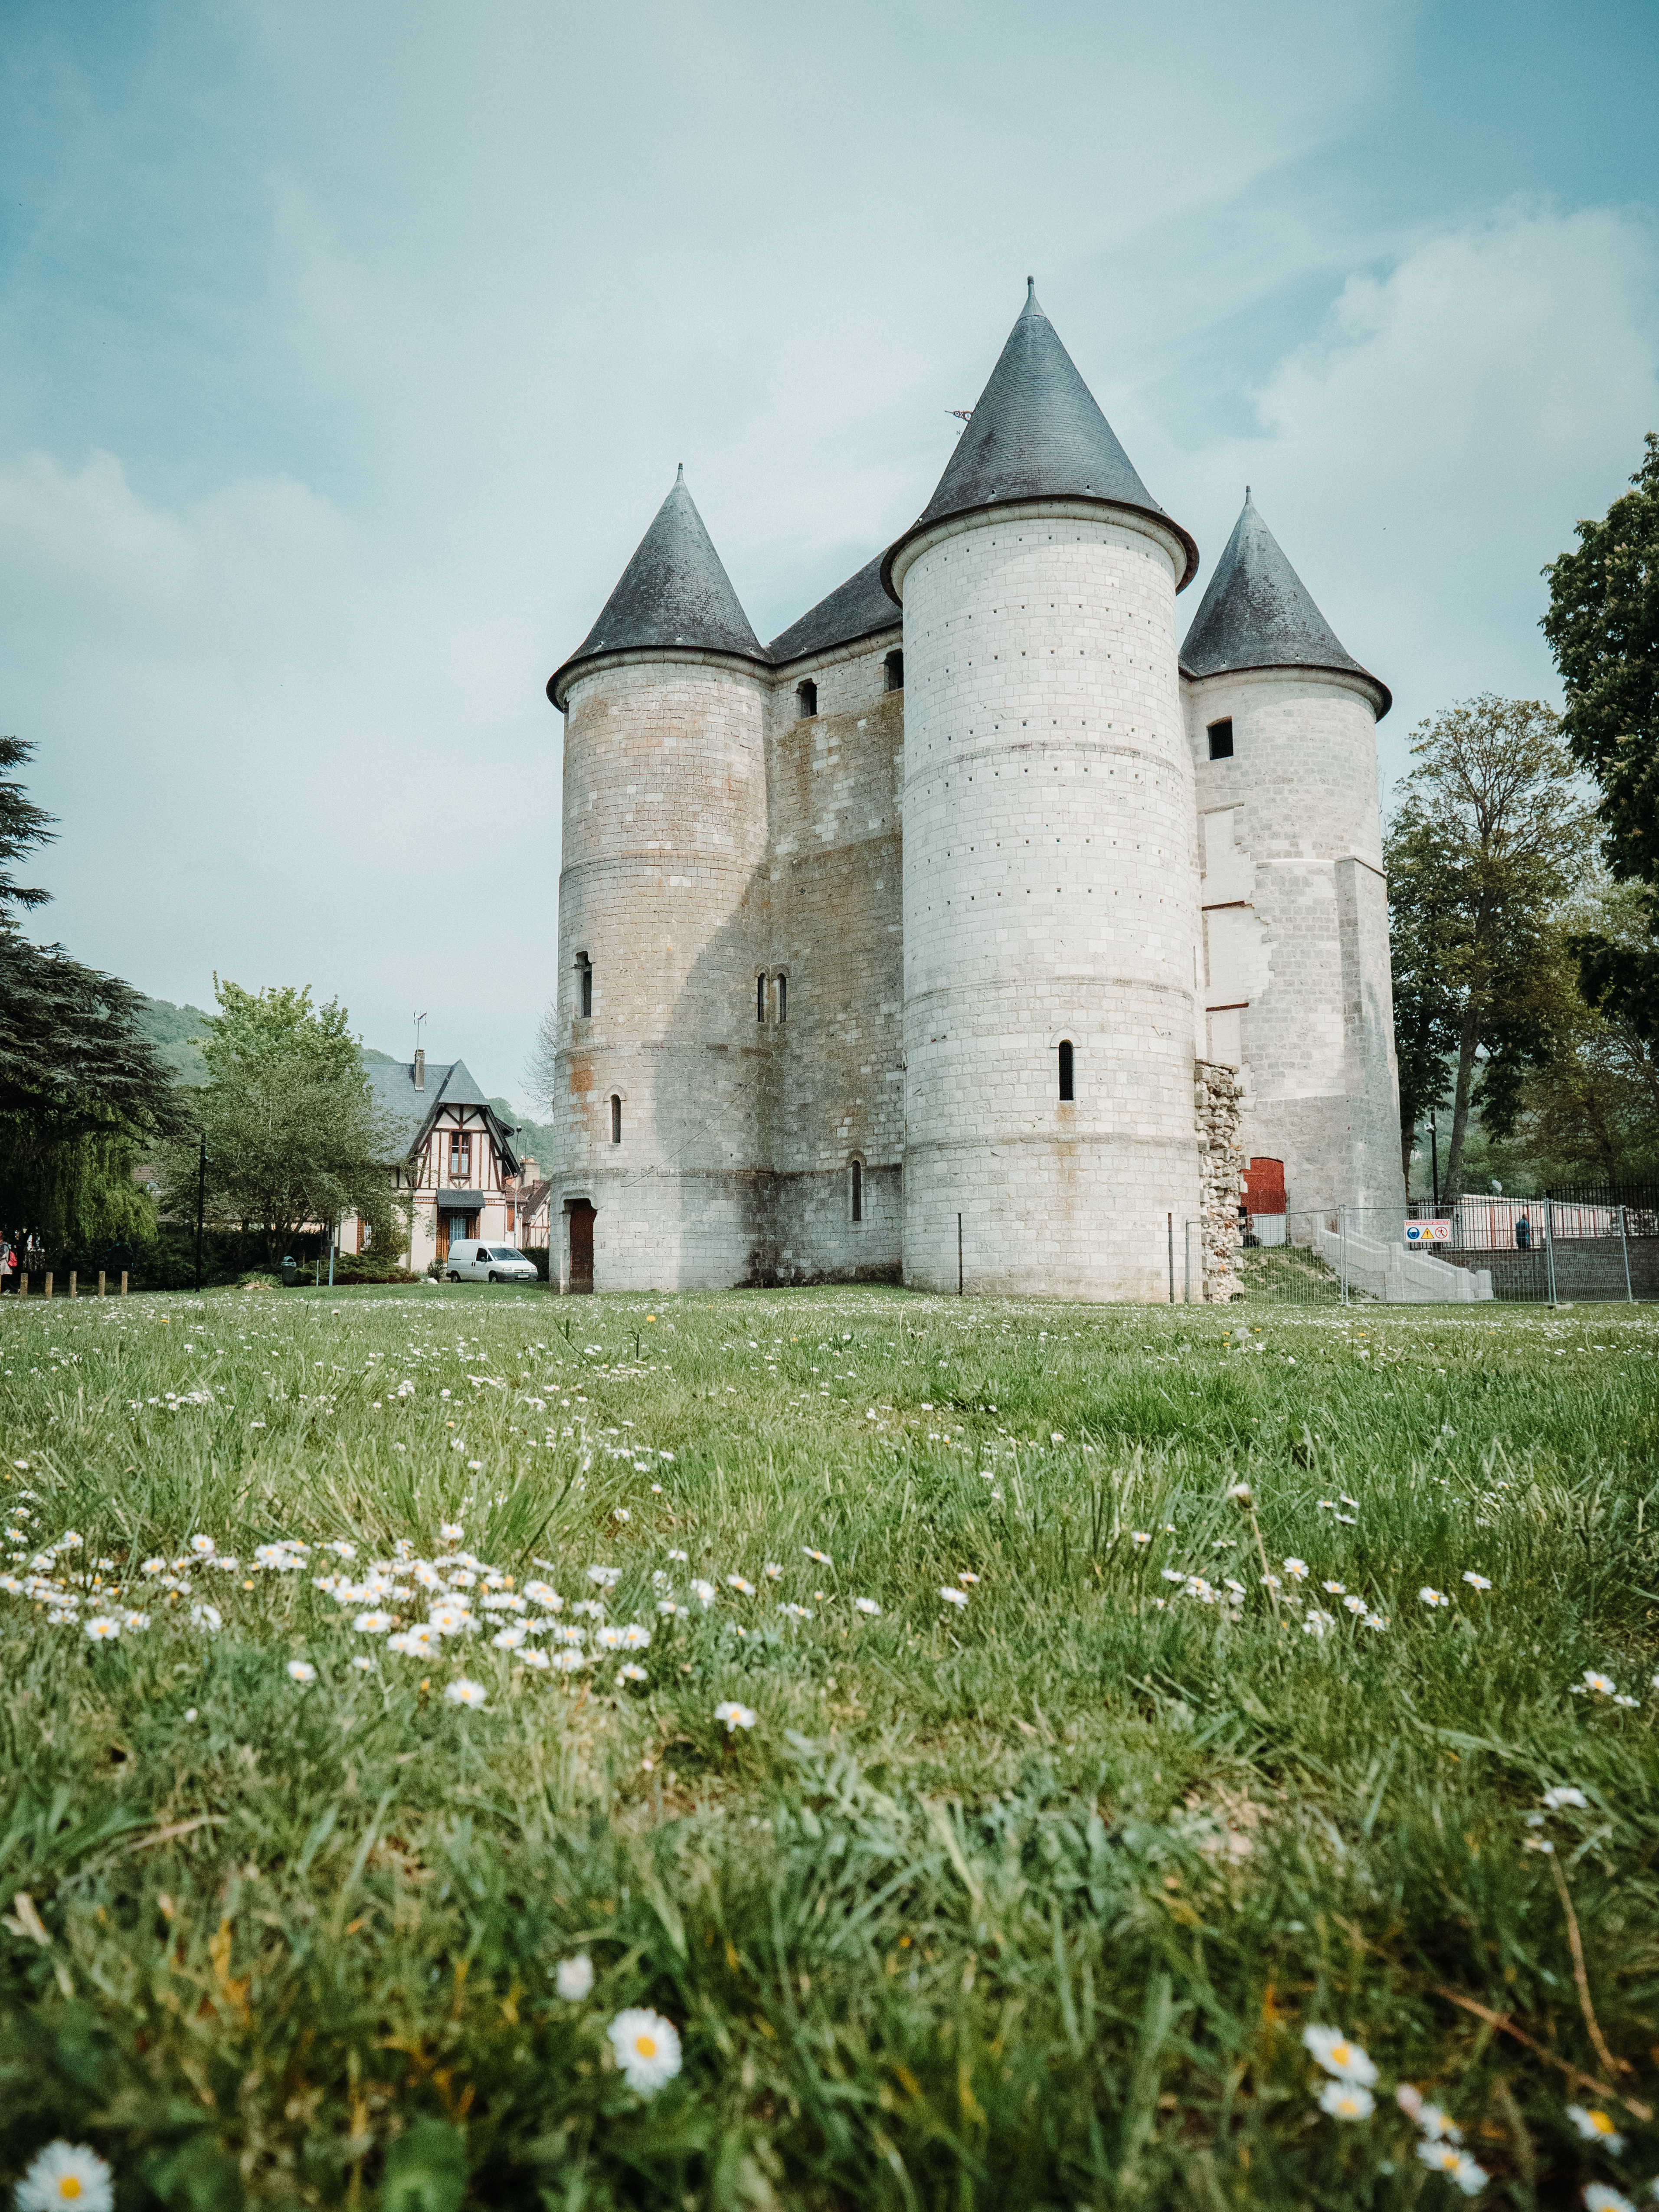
(1037, 432)
(674, 592)
(1258, 613)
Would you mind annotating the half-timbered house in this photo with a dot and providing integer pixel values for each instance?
(459, 1165)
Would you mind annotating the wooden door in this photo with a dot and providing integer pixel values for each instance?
(581, 1247)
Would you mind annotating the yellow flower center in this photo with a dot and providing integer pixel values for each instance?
(1340, 2052)
(645, 2045)
(69, 2187)
(1601, 2124)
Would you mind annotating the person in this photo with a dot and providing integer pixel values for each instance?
(1523, 1235)
(7, 1264)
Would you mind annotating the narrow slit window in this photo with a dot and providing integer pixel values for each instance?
(1066, 1091)
(615, 1118)
(783, 997)
(858, 1190)
(1221, 739)
(894, 665)
(806, 701)
(585, 984)
(760, 998)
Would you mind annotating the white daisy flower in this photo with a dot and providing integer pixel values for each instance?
(1564, 1793)
(774, 1572)
(1137, 1537)
(633, 1672)
(573, 1977)
(66, 2173)
(966, 1579)
(635, 1636)
(538, 1659)
(451, 1531)
(1296, 1569)
(1595, 2126)
(1345, 2101)
(1240, 1490)
(1355, 1604)
(1601, 1684)
(822, 1558)
(735, 1715)
(373, 1624)
(737, 1582)
(207, 1617)
(364, 1666)
(705, 1592)
(1432, 1597)
(302, 1671)
(647, 2047)
(1443, 2157)
(1598, 2197)
(1318, 1623)
(604, 1577)
(1332, 2050)
(203, 1546)
(566, 1662)
(952, 1596)
(1475, 1581)
(1334, 1590)
(463, 1692)
(866, 1605)
(509, 1639)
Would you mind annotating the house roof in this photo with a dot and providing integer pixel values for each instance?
(853, 610)
(1258, 613)
(1037, 432)
(674, 592)
(447, 1085)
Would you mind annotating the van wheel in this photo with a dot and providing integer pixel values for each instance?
(494, 1277)
(454, 1277)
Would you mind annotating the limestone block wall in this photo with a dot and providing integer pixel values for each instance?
(831, 900)
(1296, 983)
(1049, 895)
(665, 831)
(1218, 1103)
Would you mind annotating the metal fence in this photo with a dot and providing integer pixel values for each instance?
(1578, 1248)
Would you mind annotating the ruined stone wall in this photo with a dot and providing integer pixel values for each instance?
(1298, 989)
(831, 907)
(1217, 1103)
(1050, 896)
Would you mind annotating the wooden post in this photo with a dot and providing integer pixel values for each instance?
(124, 1282)
(23, 1284)
(48, 1282)
(74, 1291)
(100, 1282)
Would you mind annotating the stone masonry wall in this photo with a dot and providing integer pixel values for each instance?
(1218, 1102)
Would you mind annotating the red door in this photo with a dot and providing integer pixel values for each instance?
(581, 1247)
(1264, 1187)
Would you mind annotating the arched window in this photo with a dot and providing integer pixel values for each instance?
(584, 984)
(615, 1118)
(1220, 735)
(806, 702)
(760, 998)
(1065, 1089)
(858, 1190)
(783, 997)
(894, 665)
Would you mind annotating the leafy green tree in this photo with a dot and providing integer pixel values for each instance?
(1603, 628)
(83, 1093)
(1490, 836)
(292, 1135)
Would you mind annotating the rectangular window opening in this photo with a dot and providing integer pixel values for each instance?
(806, 701)
(1221, 739)
(585, 984)
(894, 665)
(760, 998)
(858, 1190)
(615, 1118)
(783, 997)
(1065, 1090)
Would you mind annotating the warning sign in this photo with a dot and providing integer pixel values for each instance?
(1428, 1232)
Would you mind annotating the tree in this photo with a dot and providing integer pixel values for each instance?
(293, 1133)
(82, 1092)
(1490, 836)
(1603, 628)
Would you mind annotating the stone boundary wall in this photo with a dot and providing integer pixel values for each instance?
(1218, 1104)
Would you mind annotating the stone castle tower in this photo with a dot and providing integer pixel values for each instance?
(891, 948)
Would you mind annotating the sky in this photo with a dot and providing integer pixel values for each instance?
(346, 350)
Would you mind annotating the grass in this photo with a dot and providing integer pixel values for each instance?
(1023, 1902)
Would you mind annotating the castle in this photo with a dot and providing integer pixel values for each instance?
(956, 936)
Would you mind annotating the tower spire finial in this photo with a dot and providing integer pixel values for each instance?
(680, 478)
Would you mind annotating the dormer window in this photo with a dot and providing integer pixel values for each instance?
(1221, 739)
(894, 665)
(806, 702)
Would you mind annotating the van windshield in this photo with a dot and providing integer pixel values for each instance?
(506, 1252)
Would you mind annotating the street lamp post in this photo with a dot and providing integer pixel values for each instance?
(201, 1206)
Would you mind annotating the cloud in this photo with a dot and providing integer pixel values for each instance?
(1425, 454)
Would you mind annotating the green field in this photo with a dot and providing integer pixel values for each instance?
(1021, 1901)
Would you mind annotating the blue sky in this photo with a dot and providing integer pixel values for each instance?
(346, 351)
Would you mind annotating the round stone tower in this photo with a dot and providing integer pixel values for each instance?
(1050, 879)
(655, 1184)
(1282, 721)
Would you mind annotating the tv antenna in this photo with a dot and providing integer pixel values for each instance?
(419, 1020)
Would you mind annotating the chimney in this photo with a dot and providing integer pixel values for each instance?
(420, 1067)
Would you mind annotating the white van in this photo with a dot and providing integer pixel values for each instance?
(488, 1263)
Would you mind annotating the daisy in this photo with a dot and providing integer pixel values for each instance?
(631, 1673)
(1317, 1624)
(573, 1977)
(604, 1577)
(1456, 2165)
(952, 1596)
(1563, 1795)
(203, 1546)
(373, 1624)
(463, 1692)
(647, 2047)
(1601, 1684)
(207, 1617)
(737, 1582)
(566, 1662)
(1346, 2061)
(538, 1659)
(1600, 2199)
(1595, 2126)
(1334, 1590)
(735, 1715)
(1345, 2100)
(451, 1531)
(1240, 1490)
(1433, 1597)
(1139, 1536)
(966, 1578)
(66, 2173)
(364, 1665)
(822, 1558)
(1298, 1569)
(1475, 1581)
(1355, 1604)
(705, 1592)
(866, 1605)
(102, 1630)
(509, 1639)
(302, 1671)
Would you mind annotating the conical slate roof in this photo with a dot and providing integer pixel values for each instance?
(1258, 613)
(673, 592)
(853, 610)
(1037, 432)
